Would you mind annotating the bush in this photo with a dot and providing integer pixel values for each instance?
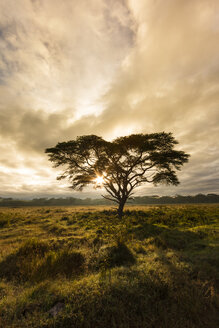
(116, 255)
(35, 260)
(64, 262)
(33, 248)
(22, 263)
(4, 222)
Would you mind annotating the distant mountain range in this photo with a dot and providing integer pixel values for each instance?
(143, 200)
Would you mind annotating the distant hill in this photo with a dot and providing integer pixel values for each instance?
(143, 200)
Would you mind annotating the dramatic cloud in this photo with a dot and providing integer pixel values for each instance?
(109, 68)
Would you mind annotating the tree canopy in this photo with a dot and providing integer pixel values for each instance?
(120, 165)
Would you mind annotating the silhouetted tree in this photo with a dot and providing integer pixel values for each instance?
(124, 163)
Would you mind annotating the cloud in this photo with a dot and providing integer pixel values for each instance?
(56, 58)
(170, 81)
(55, 53)
(108, 68)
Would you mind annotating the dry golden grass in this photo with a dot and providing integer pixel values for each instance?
(158, 267)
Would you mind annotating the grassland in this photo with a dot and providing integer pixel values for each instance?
(158, 267)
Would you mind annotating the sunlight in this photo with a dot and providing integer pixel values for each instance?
(99, 180)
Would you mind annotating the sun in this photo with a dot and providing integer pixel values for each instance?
(99, 180)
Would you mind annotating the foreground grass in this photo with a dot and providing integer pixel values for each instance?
(158, 267)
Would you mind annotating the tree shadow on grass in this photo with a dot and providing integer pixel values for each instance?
(197, 252)
(165, 237)
(134, 298)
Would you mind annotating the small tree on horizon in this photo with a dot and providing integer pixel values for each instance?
(121, 165)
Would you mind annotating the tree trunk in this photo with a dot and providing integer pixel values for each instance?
(120, 209)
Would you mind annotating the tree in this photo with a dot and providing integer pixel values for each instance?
(120, 165)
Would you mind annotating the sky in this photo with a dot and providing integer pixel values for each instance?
(110, 68)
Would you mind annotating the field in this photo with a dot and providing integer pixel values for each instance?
(82, 267)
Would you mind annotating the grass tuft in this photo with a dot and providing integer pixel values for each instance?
(115, 256)
(35, 261)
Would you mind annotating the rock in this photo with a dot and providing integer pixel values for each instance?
(56, 309)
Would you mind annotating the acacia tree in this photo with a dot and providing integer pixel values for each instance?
(120, 165)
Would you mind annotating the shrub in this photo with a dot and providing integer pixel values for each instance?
(116, 255)
(33, 248)
(34, 260)
(22, 263)
(64, 262)
(4, 222)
